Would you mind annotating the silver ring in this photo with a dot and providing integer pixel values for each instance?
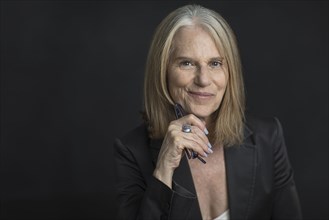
(186, 128)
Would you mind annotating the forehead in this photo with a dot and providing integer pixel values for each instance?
(194, 38)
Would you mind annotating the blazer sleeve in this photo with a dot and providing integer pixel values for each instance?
(142, 196)
(137, 196)
(286, 202)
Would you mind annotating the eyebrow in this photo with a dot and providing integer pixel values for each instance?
(189, 58)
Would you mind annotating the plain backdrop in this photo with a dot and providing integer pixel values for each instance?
(72, 81)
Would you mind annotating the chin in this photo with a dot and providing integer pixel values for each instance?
(202, 116)
(202, 113)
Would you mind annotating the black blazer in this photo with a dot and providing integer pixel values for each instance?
(259, 178)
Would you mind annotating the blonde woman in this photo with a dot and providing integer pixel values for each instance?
(203, 159)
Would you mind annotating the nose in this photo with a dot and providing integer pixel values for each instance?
(202, 77)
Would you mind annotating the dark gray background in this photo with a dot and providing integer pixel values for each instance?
(71, 81)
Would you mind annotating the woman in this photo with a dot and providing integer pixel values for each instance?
(242, 170)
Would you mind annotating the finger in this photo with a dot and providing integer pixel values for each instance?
(195, 144)
(195, 121)
(193, 136)
(196, 140)
(200, 134)
(199, 137)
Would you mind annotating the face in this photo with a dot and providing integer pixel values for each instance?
(197, 74)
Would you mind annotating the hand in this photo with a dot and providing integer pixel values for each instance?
(175, 141)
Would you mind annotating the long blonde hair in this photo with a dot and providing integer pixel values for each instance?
(229, 118)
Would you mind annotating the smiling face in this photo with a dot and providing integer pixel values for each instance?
(197, 74)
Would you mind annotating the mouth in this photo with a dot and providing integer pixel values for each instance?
(201, 95)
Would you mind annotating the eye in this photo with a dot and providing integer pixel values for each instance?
(186, 64)
(215, 63)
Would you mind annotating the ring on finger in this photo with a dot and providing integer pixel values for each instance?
(186, 128)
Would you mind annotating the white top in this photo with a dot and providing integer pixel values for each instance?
(224, 216)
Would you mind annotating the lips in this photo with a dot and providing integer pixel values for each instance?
(200, 95)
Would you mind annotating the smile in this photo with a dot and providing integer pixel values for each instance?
(201, 95)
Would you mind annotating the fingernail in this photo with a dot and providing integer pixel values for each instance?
(206, 155)
(209, 145)
(206, 131)
(209, 150)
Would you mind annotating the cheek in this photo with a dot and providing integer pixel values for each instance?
(221, 81)
(176, 81)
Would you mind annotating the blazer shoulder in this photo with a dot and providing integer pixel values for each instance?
(262, 125)
(135, 136)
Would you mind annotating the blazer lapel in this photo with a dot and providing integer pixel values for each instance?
(182, 184)
(240, 173)
(240, 162)
(182, 174)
